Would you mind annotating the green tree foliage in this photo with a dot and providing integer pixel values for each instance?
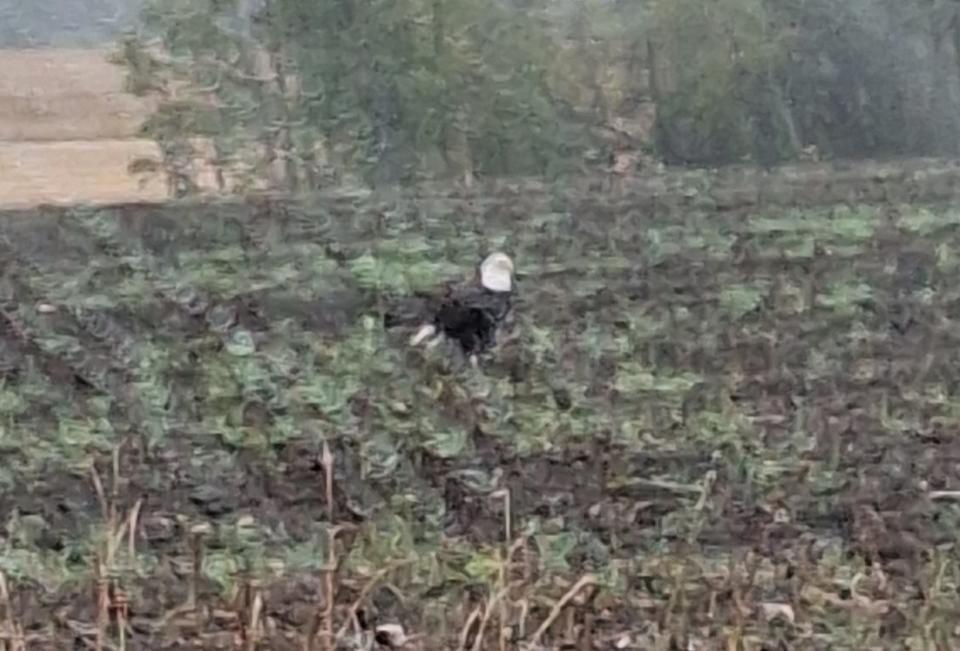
(714, 69)
(767, 80)
(393, 89)
(873, 77)
(291, 90)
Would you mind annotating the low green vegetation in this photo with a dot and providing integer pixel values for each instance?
(714, 430)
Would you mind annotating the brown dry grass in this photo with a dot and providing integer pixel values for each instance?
(67, 130)
(65, 95)
(82, 171)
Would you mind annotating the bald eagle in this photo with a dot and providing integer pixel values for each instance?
(468, 314)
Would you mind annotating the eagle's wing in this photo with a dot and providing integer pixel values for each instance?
(472, 315)
(420, 310)
(410, 311)
(467, 313)
(494, 305)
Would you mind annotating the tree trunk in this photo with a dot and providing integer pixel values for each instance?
(285, 132)
(582, 37)
(661, 131)
(454, 141)
(218, 166)
(785, 113)
(439, 28)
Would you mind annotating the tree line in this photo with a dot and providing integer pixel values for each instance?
(301, 93)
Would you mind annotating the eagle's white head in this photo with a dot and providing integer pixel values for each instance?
(496, 272)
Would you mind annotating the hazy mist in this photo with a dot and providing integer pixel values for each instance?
(64, 23)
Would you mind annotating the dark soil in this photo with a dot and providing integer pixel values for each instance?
(720, 429)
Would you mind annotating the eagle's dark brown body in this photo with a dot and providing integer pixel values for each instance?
(469, 315)
(472, 318)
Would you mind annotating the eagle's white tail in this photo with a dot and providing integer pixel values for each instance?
(425, 332)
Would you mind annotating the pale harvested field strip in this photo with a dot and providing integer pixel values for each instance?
(68, 131)
(78, 171)
(80, 116)
(59, 71)
(66, 95)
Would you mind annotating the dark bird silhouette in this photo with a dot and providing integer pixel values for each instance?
(468, 314)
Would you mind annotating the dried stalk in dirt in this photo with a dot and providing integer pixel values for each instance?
(196, 534)
(584, 581)
(322, 623)
(330, 588)
(13, 638)
(326, 461)
(324, 618)
(373, 582)
(120, 605)
(103, 603)
(109, 594)
(506, 556)
(485, 613)
(472, 619)
(254, 626)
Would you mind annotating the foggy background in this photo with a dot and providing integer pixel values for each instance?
(64, 23)
(681, 83)
(720, 415)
